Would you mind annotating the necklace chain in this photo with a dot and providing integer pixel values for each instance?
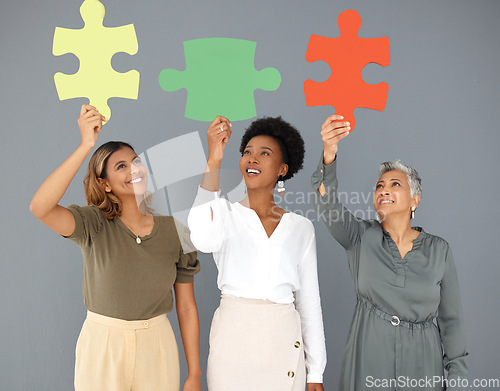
(137, 238)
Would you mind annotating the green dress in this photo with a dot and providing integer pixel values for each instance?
(407, 325)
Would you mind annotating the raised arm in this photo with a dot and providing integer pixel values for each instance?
(218, 134)
(45, 203)
(205, 218)
(341, 223)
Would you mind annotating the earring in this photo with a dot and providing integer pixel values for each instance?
(245, 190)
(281, 184)
(413, 212)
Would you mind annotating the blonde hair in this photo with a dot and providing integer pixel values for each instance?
(107, 202)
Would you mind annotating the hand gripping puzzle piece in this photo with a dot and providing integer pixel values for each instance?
(220, 78)
(347, 55)
(95, 45)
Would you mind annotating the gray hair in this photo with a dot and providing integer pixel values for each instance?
(413, 179)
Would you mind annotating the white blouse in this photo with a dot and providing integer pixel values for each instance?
(281, 268)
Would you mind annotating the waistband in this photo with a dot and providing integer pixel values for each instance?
(394, 319)
(230, 299)
(125, 324)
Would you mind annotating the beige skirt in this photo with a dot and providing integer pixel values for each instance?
(116, 355)
(255, 345)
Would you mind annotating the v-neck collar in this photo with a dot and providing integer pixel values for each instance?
(417, 242)
(127, 230)
(253, 212)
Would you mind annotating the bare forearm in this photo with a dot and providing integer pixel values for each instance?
(210, 180)
(218, 134)
(53, 188)
(190, 332)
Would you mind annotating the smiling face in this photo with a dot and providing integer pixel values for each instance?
(393, 195)
(125, 174)
(262, 162)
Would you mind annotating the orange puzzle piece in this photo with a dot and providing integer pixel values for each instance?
(347, 55)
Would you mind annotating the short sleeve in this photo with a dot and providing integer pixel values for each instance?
(88, 224)
(184, 237)
(188, 264)
(187, 267)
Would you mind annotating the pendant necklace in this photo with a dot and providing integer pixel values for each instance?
(137, 238)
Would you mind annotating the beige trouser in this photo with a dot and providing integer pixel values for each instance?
(118, 355)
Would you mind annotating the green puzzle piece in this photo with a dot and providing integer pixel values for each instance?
(95, 45)
(220, 79)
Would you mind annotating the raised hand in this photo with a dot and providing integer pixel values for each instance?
(332, 131)
(90, 124)
(218, 134)
(45, 203)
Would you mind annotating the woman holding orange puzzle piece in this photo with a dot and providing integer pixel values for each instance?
(407, 325)
(267, 333)
(132, 259)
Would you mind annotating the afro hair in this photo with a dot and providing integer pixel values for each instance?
(289, 139)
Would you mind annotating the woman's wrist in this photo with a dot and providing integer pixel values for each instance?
(85, 148)
(328, 158)
(196, 373)
(213, 163)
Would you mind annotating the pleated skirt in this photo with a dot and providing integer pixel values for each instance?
(255, 345)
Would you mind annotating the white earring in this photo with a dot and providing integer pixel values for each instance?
(281, 185)
(413, 212)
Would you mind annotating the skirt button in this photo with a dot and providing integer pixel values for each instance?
(291, 374)
(297, 344)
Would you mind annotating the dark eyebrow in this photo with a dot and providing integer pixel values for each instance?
(123, 161)
(249, 146)
(393, 179)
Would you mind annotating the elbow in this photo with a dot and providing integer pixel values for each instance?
(39, 209)
(36, 208)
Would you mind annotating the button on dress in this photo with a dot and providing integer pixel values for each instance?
(407, 325)
(281, 269)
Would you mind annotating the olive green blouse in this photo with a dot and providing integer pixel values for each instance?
(408, 324)
(126, 280)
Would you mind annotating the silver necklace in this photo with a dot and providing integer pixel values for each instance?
(137, 238)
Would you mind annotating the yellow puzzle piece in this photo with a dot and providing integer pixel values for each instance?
(95, 45)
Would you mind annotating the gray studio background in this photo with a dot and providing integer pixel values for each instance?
(441, 116)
